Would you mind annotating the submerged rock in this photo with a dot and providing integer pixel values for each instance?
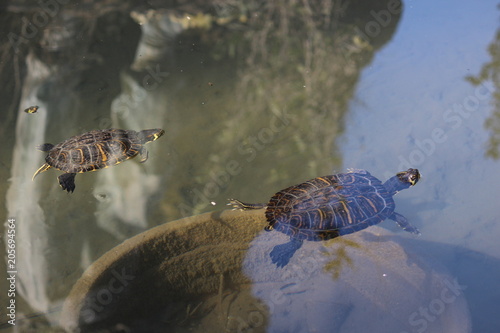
(212, 272)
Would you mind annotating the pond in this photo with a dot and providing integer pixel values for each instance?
(253, 98)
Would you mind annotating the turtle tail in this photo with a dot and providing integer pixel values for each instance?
(239, 205)
(43, 168)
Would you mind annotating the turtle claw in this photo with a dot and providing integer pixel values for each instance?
(282, 253)
(403, 223)
(238, 205)
(413, 230)
(144, 155)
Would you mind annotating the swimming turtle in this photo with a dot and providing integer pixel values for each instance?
(32, 109)
(331, 206)
(95, 150)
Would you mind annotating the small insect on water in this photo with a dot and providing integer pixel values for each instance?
(32, 109)
(95, 150)
(331, 206)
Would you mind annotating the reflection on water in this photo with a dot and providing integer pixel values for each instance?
(253, 97)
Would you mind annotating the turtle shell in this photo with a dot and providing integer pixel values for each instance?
(326, 207)
(94, 150)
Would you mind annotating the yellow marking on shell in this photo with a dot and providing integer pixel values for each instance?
(64, 155)
(323, 179)
(371, 204)
(312, 185)
(103, 154)
(322, 218)
(82, 156)
(346, 210)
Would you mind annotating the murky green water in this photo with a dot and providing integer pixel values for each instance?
(253, 99)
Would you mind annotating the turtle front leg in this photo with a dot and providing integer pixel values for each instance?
(244, 206)
(67, 181)
(403, 223)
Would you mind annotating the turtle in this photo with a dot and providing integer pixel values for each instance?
(330, 206)
(32, 109)
(95, 150)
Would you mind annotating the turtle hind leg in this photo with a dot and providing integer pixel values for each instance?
(244, 206)
(143, 153)
(67, 181)
(282, 253)
(403, 223)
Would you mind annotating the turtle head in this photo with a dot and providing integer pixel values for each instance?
(402, 181)
(150, 135)
(410, 176)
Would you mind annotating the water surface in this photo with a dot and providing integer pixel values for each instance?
(252, 101)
